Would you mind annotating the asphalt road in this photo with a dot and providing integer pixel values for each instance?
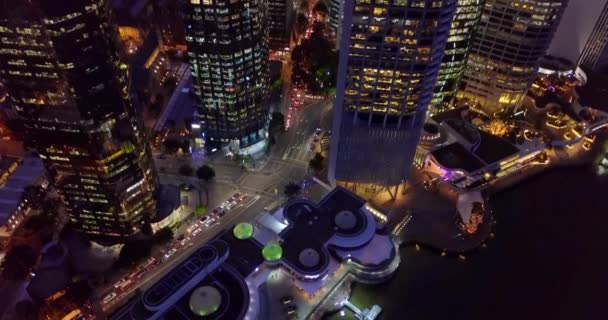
(294, 145)
(246, 211)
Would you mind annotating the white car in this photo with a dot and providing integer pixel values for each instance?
(170, 253)
(210, 222)
(109, 297)
(197, 231)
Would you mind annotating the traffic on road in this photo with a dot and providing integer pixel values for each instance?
(135, 278)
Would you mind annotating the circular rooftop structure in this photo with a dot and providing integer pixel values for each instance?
(309, 257)
(243, 231)
(272, 252)
(205, 300)
(345, 220)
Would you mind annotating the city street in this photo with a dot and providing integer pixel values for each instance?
(251, 207)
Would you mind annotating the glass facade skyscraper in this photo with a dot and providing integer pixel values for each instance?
(454, 61)
(511, 39)
(228, 52)
(390, 54)
(280, 20)
(595, 53)
(64, 71)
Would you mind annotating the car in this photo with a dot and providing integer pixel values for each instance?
(318, 131)
(186, 187)
(197, 231)
(210, 222)
(243, 197)
(170, 253)
(291, 310)
(109, 297)
(204, 219)
(181, 237)
(221, 214)
(183, 242)
(286, 299)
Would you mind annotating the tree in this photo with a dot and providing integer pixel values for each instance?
(277, 121)
(39, 222)
(315, 62)
(200, 211)
(134, 250)
(292, 189)
(301, 23)
(171, 146)
(164, 235)
(79, 291)
(27, 310)
(205, 173)
(18, 262)
(186, 170)
(316, 163)
(146, 228)
(320, 8)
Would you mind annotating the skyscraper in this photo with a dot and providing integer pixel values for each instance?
(228, 51)
(62, 65)
(390, 53)
(595, 52)
(575, 28)
(335, 13)
(280, 21)
(454, 61)
(511, 39)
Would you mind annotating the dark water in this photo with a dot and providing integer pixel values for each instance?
(549, 260)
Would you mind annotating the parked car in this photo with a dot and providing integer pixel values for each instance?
(109, 297)
(210, 222)
(170, 253)
(286, 299)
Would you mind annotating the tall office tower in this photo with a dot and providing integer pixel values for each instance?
(62, 65)
(578, 23)
(456, 52)
(228, 51)
(511, 39)
(335, 13)
(390, 54)
(595, 53)
(169, 18)
(280, 21)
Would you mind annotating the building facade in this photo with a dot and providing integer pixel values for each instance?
(228, 52)
(456, 53)
(63, 67)
(506, 50)
(281, 14)
(595, 53)
(390, 54)
(335, 10)
(569, 42)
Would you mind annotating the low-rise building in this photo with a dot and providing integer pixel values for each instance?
(468, 157)
(16, 174)
(272, 268)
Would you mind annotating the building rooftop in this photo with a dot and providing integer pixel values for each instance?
(493, 149)
(227, 277)
(455, 156)
(15, 175)
(595, 93)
